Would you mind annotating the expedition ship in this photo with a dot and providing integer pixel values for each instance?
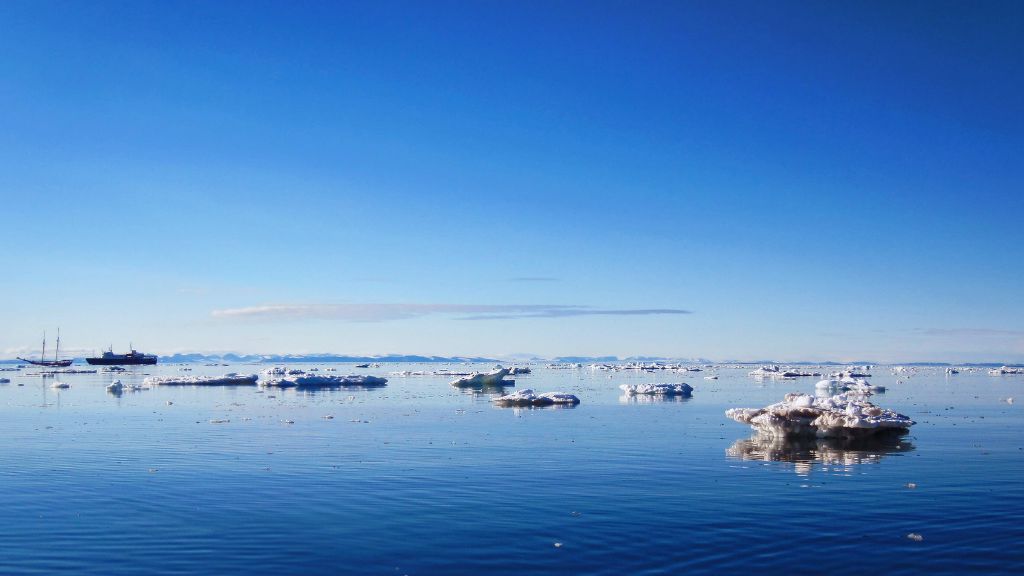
(111, 359)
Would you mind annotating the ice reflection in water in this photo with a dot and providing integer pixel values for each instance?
(806, 452)
(652, 398)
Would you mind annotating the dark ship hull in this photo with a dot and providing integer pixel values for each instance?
(121, 359)
(48, 363)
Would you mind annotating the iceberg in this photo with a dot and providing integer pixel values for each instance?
(840, 416)
(229, 379)
(680, 389)
(313, 381)
(529, 398)
(480, 379)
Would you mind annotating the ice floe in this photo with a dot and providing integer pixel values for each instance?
(316, 381)
(680, 389)
(493, 378)
(229, 379)
(1006, 370)
(843, 415)
(529, 398)
(852, 385)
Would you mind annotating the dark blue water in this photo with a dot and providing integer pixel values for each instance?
(419, 478)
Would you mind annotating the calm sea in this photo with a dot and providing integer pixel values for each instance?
(421, 478)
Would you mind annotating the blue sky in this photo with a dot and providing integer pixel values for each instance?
(718, 179)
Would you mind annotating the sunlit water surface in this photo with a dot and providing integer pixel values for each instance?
(421, 478)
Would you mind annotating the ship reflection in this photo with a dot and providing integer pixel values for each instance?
(828, 454)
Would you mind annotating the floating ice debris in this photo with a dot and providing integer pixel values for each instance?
(59, 384)
(910, 485)
(519, 370)
(276, 371)
(769, 370)
(492, 378)
(288, 421)
(854, 372)
(680, 389)
(229, 379)
(1009, 400)
(115, 369)
(1006, 370)
(115, 387)
(843, 415)
(570, 366)
(528, 398)
(362, 365)
(311, 381)
(952, 371)
(66, 371)
(711, 377)
(915, 537)
(219, 421)
(853, 385)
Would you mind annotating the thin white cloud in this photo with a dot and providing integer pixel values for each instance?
(383, 312)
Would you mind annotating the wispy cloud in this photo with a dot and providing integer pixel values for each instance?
(383, 312)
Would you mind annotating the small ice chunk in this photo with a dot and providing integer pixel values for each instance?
(529, 398)
(680, 389)
(59, 384)
(915, 537)
(115, 387)
(493, 378)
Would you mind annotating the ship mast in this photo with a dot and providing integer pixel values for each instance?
(42, 355)
(56, 355)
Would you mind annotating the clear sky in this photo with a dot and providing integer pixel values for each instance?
(743, 180)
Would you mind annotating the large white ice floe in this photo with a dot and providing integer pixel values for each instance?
(229, 379)
(493, 378)
(529, 398)
(843, 415)
(681, 389)
(327, 381)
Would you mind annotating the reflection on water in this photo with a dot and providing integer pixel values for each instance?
(652, 398)
(490, 389)
(806, 452)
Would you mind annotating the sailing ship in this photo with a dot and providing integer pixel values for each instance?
(55, 363)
